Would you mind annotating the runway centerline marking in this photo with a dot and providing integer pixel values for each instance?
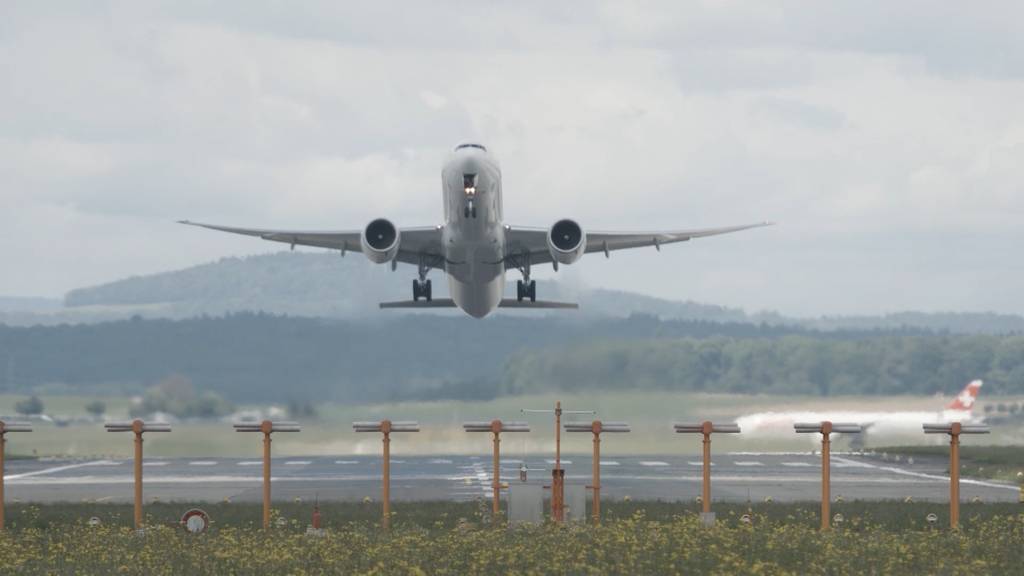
(203, 463)
(250, 463)
(609, 463)
(748, 463)
(298, 462)
(346, 461)
(653, 463)
(154, 463)
(563, 461)
(797, 464)
(698, 463)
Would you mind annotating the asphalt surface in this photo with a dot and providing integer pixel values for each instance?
(736, 477)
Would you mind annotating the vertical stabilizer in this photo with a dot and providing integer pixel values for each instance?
(964, 401)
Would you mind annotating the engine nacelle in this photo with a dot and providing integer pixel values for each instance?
(566, 241)
(380, 241)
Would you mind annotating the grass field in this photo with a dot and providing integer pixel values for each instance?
(330, 433)
(447, 538)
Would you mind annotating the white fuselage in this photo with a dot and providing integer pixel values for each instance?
(474, 246)
(875, 422)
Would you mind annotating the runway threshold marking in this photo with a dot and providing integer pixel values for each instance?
(59, 469)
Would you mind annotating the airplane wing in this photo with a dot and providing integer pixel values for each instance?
(533, 241)
(416, 243)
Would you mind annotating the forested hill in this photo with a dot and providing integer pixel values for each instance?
(328, 286)
(259, 357)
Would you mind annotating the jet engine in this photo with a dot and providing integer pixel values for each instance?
(566, 241)
(380, 241)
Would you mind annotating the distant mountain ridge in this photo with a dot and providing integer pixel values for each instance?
(326, 285)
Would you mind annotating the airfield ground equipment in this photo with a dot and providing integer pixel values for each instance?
(386, 427)
(496, 427)
(596, 428)
(6, 427)
(138, 427)
(706, 428)
(267, 427)
(954, 430)
(826, 429)
(558, 474)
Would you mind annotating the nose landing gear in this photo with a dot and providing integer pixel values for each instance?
(469, 211)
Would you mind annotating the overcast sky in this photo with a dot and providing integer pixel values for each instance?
(885, 138)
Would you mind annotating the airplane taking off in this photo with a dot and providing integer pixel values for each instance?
(959, 410)
(474, 246)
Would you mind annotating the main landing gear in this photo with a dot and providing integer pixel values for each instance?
(526, 289)
(422, 290)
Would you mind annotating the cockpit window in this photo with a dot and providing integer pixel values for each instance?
(471, 145)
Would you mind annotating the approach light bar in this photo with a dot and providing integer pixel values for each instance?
(698, 428)
(273, 426)
(400, 426)
(481, 426)
(837, 428)
(597, 427)
(14, 427)
(143, 426)
(939, 428)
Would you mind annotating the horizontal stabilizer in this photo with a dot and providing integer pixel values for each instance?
(506, 303)
(510, 303)
(435, 303)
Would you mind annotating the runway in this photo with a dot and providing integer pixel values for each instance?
(736, 477)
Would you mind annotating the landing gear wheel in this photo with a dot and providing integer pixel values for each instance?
(423, 290)
(526, 290)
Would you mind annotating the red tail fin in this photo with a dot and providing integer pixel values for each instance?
(965, 399)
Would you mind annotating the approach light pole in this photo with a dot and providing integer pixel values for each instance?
(138, 427)
(267, 427)
(496, 427)
(826, 429)
(706, 428)
(386, 427)
(955, 429)
(558, 475)
(6, 427)
(596, 428)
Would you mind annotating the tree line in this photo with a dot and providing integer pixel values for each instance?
(253, 357)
